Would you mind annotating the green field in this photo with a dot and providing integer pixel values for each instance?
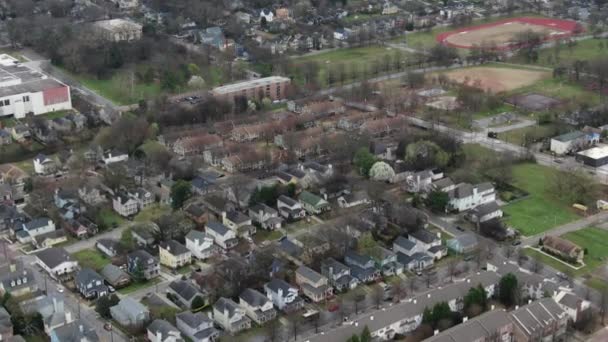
(538, 132)
(585, 50)
(562, 89)
(152, 213)
(110, 218)
(91, 258)
(138, 286)
(540, 211)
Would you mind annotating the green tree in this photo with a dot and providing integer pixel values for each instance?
(507, 289)
(126, 240)
(364, 161)
(366, 336)
(475, 301)
(180, 192)
(197, 303)
(437, 201)
(367, 245)
(425, 154)
(104, 303)
(138, 273)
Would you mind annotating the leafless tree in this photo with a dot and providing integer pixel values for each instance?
(537, 266)
(508, 251)
(521, 256)
(603, 304)
(452, 268)
(273, 331)
(412, 284)
(377, 296)
(399, 291)
(295, 320)
(429, 278)
(342, 310)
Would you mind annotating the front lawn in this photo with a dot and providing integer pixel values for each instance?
(152, 213)
(91, 258)
(533, 133)
(540, 211)
(266, 235)
(110, 218)
(138, 286)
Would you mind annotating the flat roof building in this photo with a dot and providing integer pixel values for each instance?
(118, 30)
(24, 90)
(273, 87)
(596, 156)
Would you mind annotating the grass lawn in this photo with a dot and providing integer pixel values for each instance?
(138, 286)
(266, 235)
(91, 258)
(562, 89)
(151, 213)
(518, 136)
(110, 218)
(585, 50)
(540, 211)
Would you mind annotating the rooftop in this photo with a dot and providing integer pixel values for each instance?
(235, 87)
(598, 152)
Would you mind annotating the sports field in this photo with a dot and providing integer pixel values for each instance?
(503, 33)
(497, 79)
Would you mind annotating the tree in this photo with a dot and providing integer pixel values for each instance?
(437, 201)
(452, 268)
(295, 319)
(366, 336)
(507, 289)
(537, 265)
(273, 331)
(104, 303)
(475, 301)
(197, 303)
(356, 296)
(180, 192)
(399, 291)
(364, 161)
(377, 295)
(126, 240)
(426, 154)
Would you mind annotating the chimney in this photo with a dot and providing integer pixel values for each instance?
(13, 267)
(81, 328)
(68, 317)
(464, 319)
(492, 307)
(516, 307)
(435, 332)
(529, 301)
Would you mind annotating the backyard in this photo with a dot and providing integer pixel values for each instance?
(539, 211)
(91, 258)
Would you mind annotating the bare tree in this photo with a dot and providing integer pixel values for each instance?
(603, 304)
(508, 251)
(452, 268)
(377, 296)
(295, 320)
(342, 310)
(537, 266)
(273, 331)
(429, 278)
(399, 291)
(412, 284)
(521, 256)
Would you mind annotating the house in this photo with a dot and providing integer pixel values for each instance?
(484, 212)
(445, 184)
(197, 213)
(6, 325)
(563, 248)
(76, 331)
(114, 156)
(49, 239)
(173, 254)
(541, 320)
(352, 200)
(465, 196)
(196, 326)
(141, 264)
(17, 279)
(338, 275)
(33, 228)
(239, 223)
(91, 195)
(267, 217)
(406, 246)
(342, 34)
(386, 261)
(90, 284)
(130, 313)
(569, 142)
(283, 295)
(200, 244)
(572, 304)
(56, 262)
(425, 238)
(117, 30)
(362, 267)
(109, 247)
(290, 208)
(483, 328)
(44, 165)
(463, 244)
(415, 262)
(312, 203)
(229, 316)
(20, 133)
(80, 227)
(213, 36)
(51, 308)
(257, 306)
(143, 197)
(125, 205)
(201, 185)
(267, 15)
(221, 235)
(115, 276)
(143, 235)
(420, 181)
(197, 144)
(162, 331)
(313, 284)
(185, 292)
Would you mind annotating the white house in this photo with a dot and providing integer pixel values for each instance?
(569, 142)
(265, 216)
(44, 165)
(341, 34)
(283, 295)
(572, 304)
(267, 14)
(200, 244)
(56, 262)
(222, 235)
(33, 228)
(257, 306)
(162, 331)
(114, 156)
(196, 326)
(465, 196)
(125, 205)
(231, 317)
(485, 212)
(290, 208)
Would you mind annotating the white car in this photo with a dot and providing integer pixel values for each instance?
(60, 289)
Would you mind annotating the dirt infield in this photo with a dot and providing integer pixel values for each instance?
(496, 79)
(502, 33)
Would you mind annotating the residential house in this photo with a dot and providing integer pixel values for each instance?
(563, 248)
(338, 275)
(465, 196)
(17, 280)
(213, 36)
(202, 185)
(494, 324)
(185, 292)
(313, 284)
(90, 284)
(426, 240)
(238, 223)
(283, 295)
(109, 247)
(115, 276)
(541, 320)
(386, 261)
(21, 133)
(91, 195)
(49, 239)
(485, 212)
(242, 162)
(362, 267)
(143, 197)
(33, 228)
(352, 200)
(162, 331)
(463, 244)
(77, 331)
(445, 184)
(125, 205)
(114, 156)
(569, 142)
(342, 34)
(56, 262)
(231, 317)
(290, 208)
(267, 217)
(197, 213)
(6, 325)
(267, 15)
(51, 308)
(44, 165)
(222, 235)
(196, 326)
(200, 244)
(80, 227)
(143, 235)
(257, 306)
(420, 181)
(173, 254)
(141, 264)
(572, 304)
(312, 203)
(130, 313)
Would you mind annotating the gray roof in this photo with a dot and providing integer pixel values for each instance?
(570, 300)
(226, 304)
(76, 331)
(131, 307)
(174, 247)
(37, 223)
(276, 284)
(253, 297)
(184, 289)
(424, 236)
(337, 267)
(443, 183)
(30, 87)
(466, 240)
(574, 135)
(486, 208)
(537, 315)
(264, 208)
(193, 320)
(113, 273)
(53, 257)
(87, 275)
(475, 329)
(163, 327)
(142, 256)
(404, 243)
(309, 273)
(196, 234)
(237, 217)
(218, 227)
(110, 244)
(288, 200)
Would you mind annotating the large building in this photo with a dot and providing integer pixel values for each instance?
(595, 156)
(24, 90)
(273, 87)
(117, 30)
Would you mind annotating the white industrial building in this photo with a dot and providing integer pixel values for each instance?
(24, 90)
